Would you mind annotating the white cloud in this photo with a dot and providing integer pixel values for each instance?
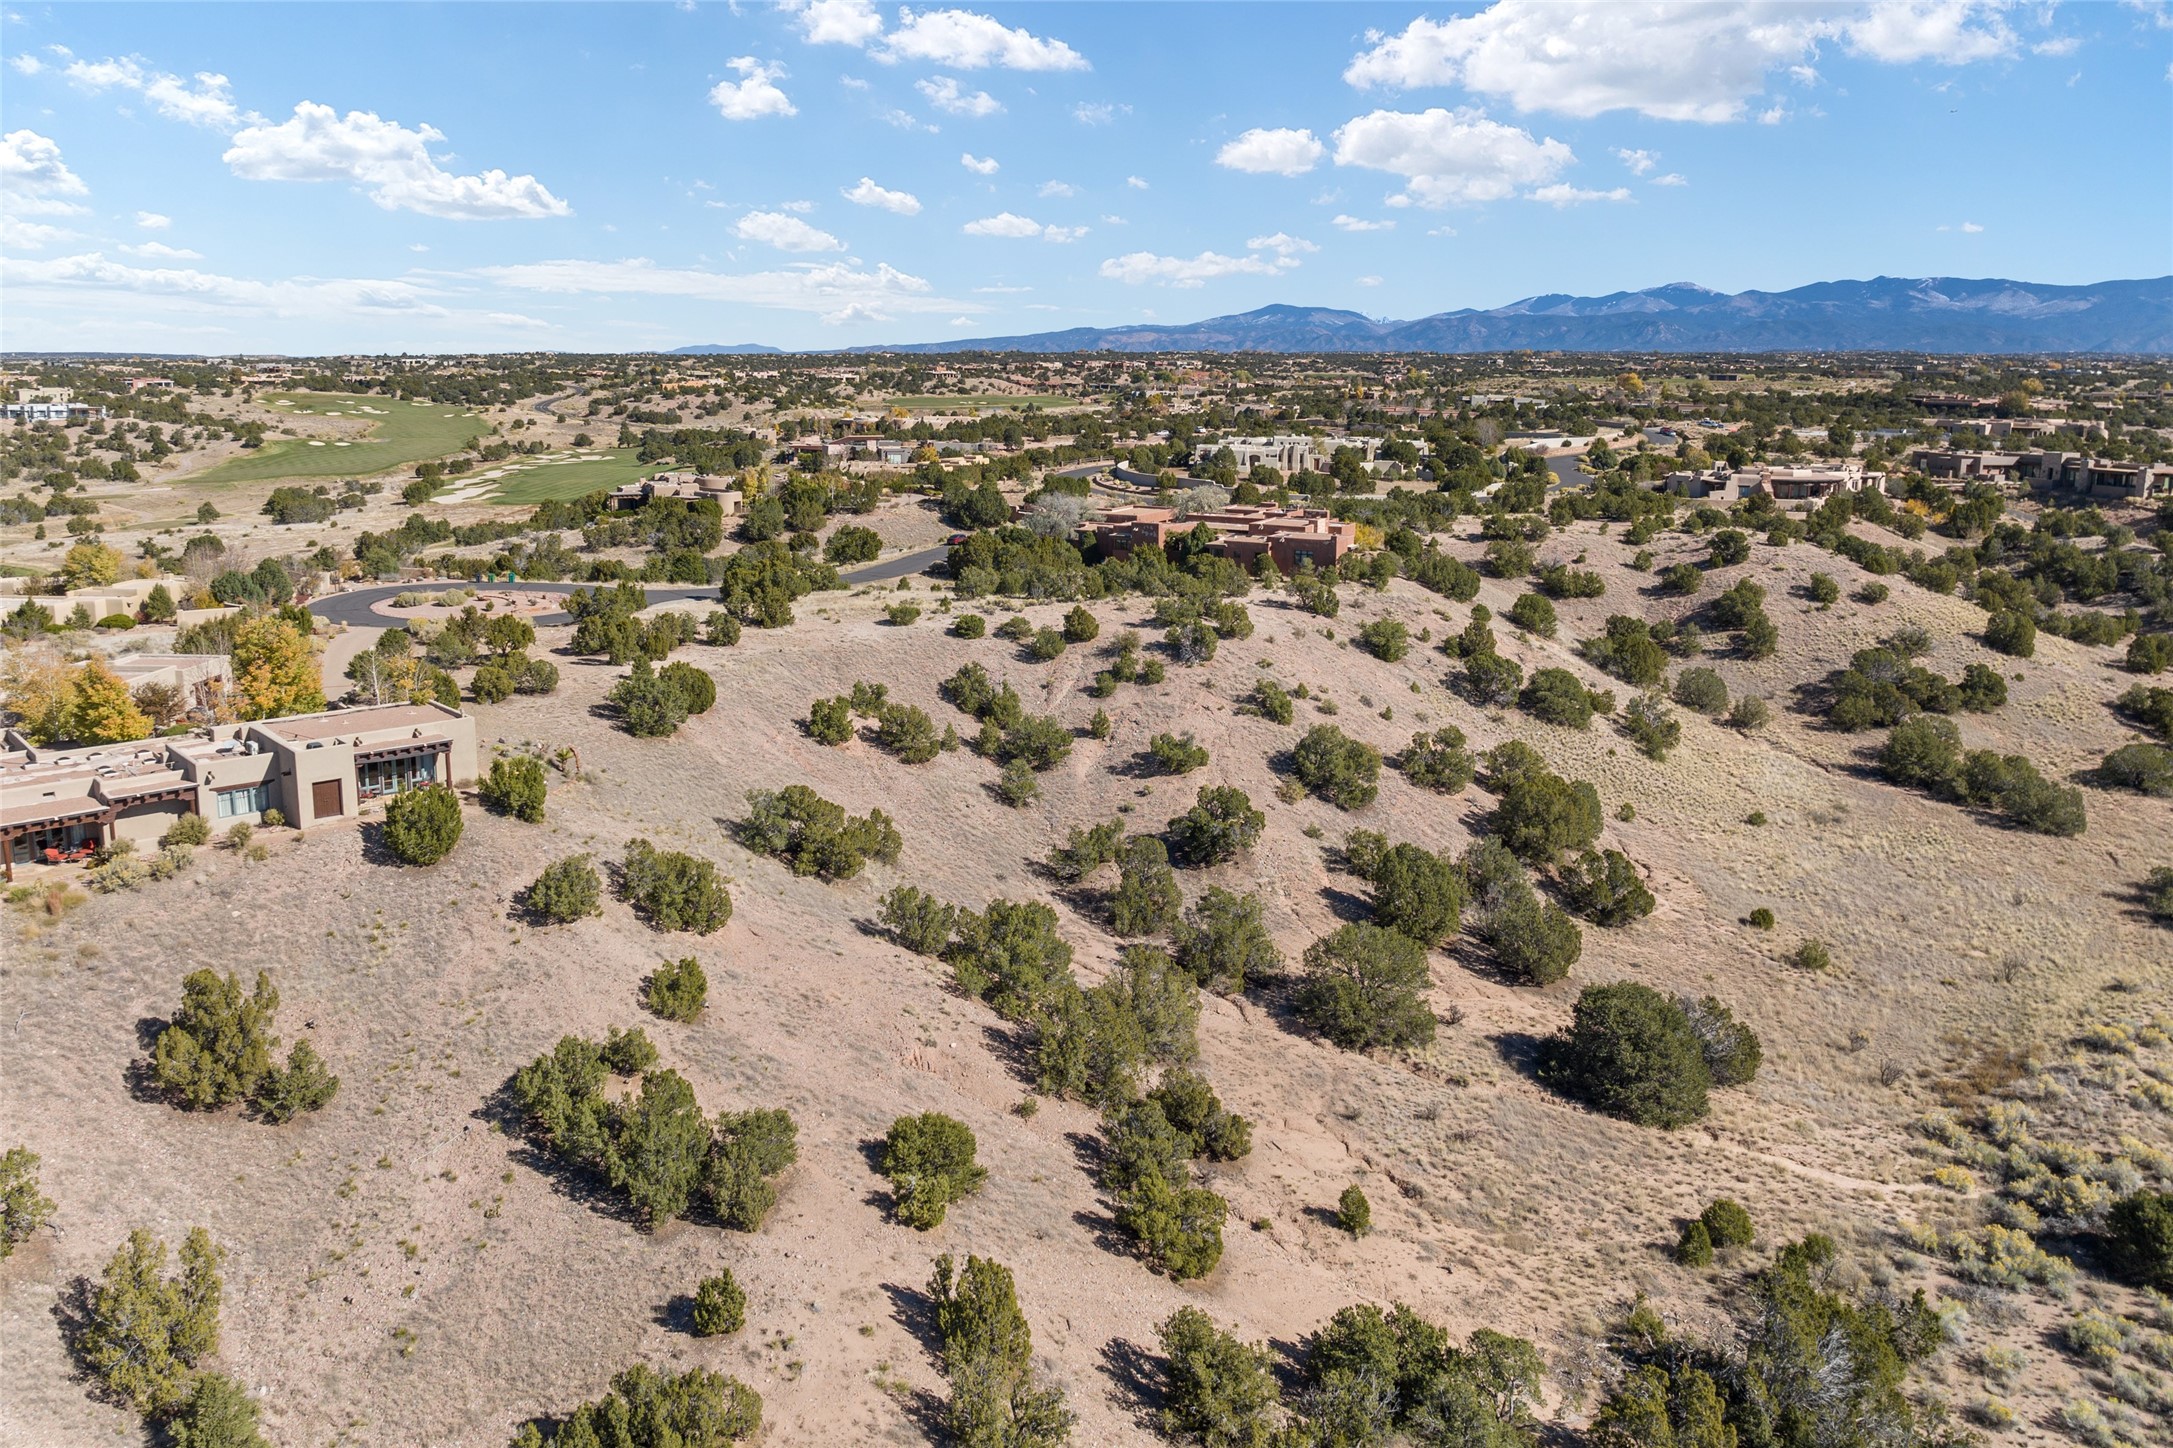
(785, 232)
(1971, 227)
(1672, 178)
(853, 82)
(34, 178)
(1002, 291)
(1109, 220)
(962, 40)
(1442, 231)
(798, 207)
(979, 165)
(1283, 244)
(1563, 194)
(2058, 45)
(1677, 60)
(1450, 156)
(1360, 223)
(152, 221)
(1369, 281)
(907, 121)
(945, 94)
(836, 22)
(313, 297)
(160, 251)
(1015, 227)
(1639, 162)
(26, 64)
(1098, 113)
(826, 289)
(207, 100)
(853, 312)
(754, 95)
(1774, 114)
(392, 163)
(1058, 188)
(1137, 268)
(1135, 183)
(18, 235)
(1277, 151)
(867, 193)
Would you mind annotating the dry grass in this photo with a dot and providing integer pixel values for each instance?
(403, 1273)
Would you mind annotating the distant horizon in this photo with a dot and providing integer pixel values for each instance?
(829, 174)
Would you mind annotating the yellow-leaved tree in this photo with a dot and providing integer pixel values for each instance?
(102, 711)
(275, 671)
(37, 683)
(90, 565)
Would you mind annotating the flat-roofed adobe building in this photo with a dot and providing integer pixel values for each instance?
(58, 804)
(1243, 532)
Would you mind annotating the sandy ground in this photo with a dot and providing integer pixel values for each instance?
(402, 1273)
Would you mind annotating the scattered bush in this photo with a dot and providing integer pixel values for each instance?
(673, 891)
(1694, 1248)
(1386, 639)
(1364, 987)
(929, 1161)
(677, 990)
(218, 1048)
(1081, 626)
(1218, 1392)
(2139, 1238)
(423, 824)
(1221, 824)
(1750, 712)
(648, 1409)
(515, 786)
(1417, 893)
(1651, 726)
(988, 1355)
(969, 626)
(1727, 1224)
(1632, 1052)
(1822, 590)
(189, 829)
(917, 920)
(720, 1306)
(1604, 887)
(1542, 815)
(1146, 900)
(144, 1332)
(815, 836)
(1222, 941)
(1176, 753)
(1341, 770)
(1353, 1213)
(566, 891)
(303, 1085)
(1270, 702)
(23, 1208)
(2144, 768)
(830, 721)
(2011, 631)
(1702, 690)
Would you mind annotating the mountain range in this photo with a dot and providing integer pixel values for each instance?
(1884, 314)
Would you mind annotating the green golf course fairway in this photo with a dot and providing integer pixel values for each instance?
(404, 433)
(531, 481)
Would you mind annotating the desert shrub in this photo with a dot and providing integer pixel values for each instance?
(1738, 606)
(1981, 689)
(515, 786)
(1087, 850)
(1364, 987)
(1192, 1109)
(1099, 726)
(720, 628)
(218, 1047)
(720, 1306)
(1438, 761)
(1146, 900)
(1873, 593)
(1372, 1376)
(1822, 590)
(1341, 770)
(143, 1331)
(1651, 726)
(422, 825)
(1009, 956)
(190, 829)
(649, 1409)
(1750, 712)
(2144, 768)
(1541, 815)
(304, 1084)
(218, 1413)
(566, 891)
(1628, 651)
(1036, 741)
(1017, 628)
(1016, 785)
(1533, 941)
(917, 920)
(2150, 708)
(2157, 893)
(1604, 887)
(1045, 645)
(929, 1161)
(649, 706)
(1269, 700)
(751, 1147)
(830, 721)
(1554, 696)
(1682, 579)
(908, 733)
(1702, 690)
(902, 615)
(1221, 824)
(677, 989)
(1222, 941)
(2139, 1238)
(2149, 653)
(1178, 1227)
(672, 890)
(1176, 753)
(1386, 639)
(1632, 1052)
(815, 836)
(697, 691)
(1353, 1213)
(1812, 955)
(1760, 919)
(1417, 893)
(1492, 680)
(1694, 1248)
(988, 1353)
(1730, 546)
(492, 684)
(23, 1208)
(1727, 1224)
(2010, 631)
(969, 626)
(1218, 1392)
(1081, 626)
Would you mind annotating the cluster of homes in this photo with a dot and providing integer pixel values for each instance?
(49, 404)
(718, 489)
(59, 805)
(2045, 468)
(1242, 532)
(1783, 484)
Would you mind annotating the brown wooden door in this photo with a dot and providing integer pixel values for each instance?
(324, 799)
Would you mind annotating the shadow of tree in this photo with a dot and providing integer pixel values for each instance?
(1137, 1377)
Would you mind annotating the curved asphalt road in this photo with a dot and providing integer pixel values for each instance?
(355, 607)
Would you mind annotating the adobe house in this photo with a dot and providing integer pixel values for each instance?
(1243, 532)
(57, 805)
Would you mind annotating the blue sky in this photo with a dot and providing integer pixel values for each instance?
(317, 178)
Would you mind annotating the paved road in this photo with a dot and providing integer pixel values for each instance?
(355, 607)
